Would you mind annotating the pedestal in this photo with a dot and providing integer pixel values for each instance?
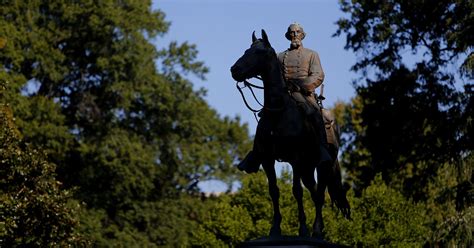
(290, 241)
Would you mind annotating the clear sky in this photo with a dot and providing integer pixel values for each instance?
(221, 30)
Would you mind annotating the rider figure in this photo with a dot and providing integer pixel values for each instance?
(303, 73)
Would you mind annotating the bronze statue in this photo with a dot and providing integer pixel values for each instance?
(303, 73)
(288, 131)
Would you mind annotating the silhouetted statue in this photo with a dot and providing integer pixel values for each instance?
(291, 128)
(303, 73)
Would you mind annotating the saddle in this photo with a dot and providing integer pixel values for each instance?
(332, 129)
(309, 106)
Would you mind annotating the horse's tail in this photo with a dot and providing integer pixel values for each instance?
(334, 184)
(337, 191)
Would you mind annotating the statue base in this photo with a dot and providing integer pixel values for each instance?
(290, 241)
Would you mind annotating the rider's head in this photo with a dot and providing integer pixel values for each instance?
(295, 34)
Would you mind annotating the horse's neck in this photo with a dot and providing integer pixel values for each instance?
(275, 88)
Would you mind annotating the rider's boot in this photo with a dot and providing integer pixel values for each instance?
(250, 164)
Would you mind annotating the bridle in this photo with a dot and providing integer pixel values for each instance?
(247, 84)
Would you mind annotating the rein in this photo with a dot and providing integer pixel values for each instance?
(251, 86)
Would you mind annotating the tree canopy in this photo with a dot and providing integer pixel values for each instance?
(381, 31)
(104, 138)
(35, 211)
(87, 85)
(413, 122)
(406, 116)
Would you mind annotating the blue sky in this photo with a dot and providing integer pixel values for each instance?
(222, 31)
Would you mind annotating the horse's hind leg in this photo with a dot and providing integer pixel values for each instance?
(298, 194)
(269, 167)
(317, 195)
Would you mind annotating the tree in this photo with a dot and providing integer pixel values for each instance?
(409, 119)
(382, 30)
(35, 210)
(414, 124)
(382, 216)
(115, 115)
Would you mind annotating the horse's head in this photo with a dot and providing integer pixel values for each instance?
(254, 59)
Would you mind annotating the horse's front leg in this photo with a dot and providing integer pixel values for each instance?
(298, 194)
(269, 167)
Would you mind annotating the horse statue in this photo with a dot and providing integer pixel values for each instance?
(288, 136)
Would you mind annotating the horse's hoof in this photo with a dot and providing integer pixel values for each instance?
(318, 228)
(275, 232)
(317, 234)
(303, 231)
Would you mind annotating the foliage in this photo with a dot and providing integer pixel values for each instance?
(407, 120)
(35, 210)
(254, 197)
(168, 222)
(455, 230)
(413, 124)
(404, 130)
(231, 218)
(380, 217)
(223, 223)
(96, 78)
(382, 30)
(117, 116)
(450, 205)
(117, 122)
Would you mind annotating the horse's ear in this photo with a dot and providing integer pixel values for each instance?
(254, 38)
(265, 38)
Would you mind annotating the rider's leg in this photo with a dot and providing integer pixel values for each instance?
(318, 124)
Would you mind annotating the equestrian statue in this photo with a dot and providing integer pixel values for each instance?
(293, 127)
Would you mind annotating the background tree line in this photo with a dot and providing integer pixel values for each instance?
(103, 137)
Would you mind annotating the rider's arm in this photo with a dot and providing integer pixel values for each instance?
(315, 75)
